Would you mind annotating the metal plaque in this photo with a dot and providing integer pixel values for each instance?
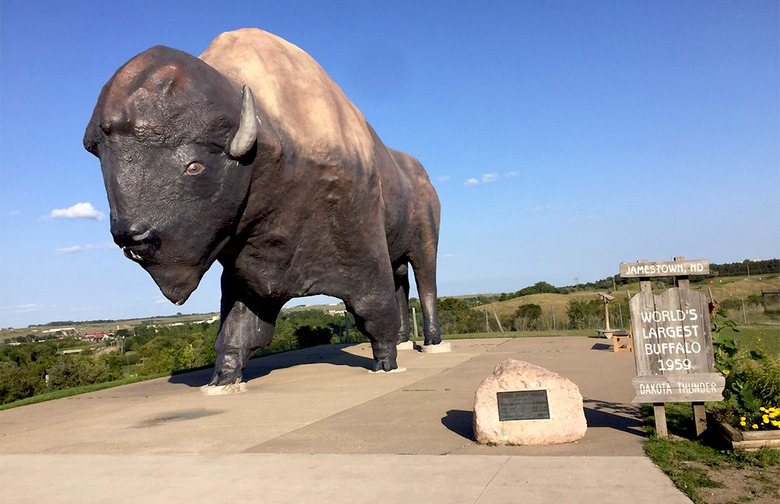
(523, 405)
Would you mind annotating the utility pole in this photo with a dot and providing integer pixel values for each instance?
(553, 315)
(414, 319)
(744, 315)
(498, 321)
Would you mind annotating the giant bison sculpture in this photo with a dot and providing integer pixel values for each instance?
(252, 156)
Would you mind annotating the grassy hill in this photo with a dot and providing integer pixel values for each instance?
(720, 289)
(92, 327)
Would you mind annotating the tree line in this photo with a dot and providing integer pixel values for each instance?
(762, 267)
(35, 366)
(29, 368)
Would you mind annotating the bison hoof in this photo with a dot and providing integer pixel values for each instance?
(433, 340)
(225, 378)
(402, 338)
(386, 364)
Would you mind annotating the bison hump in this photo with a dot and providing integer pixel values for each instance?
(303, 102)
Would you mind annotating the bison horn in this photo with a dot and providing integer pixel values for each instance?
(246, 136)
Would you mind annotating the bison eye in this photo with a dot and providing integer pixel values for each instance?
(195, 168)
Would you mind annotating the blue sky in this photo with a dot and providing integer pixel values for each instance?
(563, 137)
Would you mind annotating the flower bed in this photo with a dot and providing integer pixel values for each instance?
(749, 415)
(740, 440)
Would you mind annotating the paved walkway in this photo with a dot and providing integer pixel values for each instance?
(316, 426)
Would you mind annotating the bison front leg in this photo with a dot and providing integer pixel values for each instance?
(247, 325)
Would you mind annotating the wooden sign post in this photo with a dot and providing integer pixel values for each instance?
(672, 341)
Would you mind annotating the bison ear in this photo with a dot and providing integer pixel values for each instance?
(246, 136)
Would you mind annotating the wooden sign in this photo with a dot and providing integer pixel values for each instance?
(672, 341)
(664, 269)
(679, 388)
(523, 405)
(673, 348)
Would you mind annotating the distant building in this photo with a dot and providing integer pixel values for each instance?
(61, 332)
(99, 336)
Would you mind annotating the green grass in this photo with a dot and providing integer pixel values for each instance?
(755, 337)
(59, 394)
(520, 334)
(691, 463)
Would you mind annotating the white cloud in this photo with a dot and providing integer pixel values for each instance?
(444, 178)
(77, 211)
(511, 174)
(79, 248)
(471, 182)
(24, 308)
(489, 177)
(70, 250)
(27, 308)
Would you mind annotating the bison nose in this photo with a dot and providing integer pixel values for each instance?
(129, 234)
(138, 242)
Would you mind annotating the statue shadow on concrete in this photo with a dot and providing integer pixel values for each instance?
(262, 366)
(622, 417)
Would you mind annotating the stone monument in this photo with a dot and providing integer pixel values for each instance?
(524, 404)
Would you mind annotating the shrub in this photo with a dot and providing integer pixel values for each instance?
(527, 317)
(77, 370)
(18, 382)
(585, 314)
(308, 336)
(752, 393)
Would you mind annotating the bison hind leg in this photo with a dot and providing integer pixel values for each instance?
(401, 276)
(385, 364)
(424, 267)
(376, 316)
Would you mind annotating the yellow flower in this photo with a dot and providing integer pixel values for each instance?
(776, 423)
(765, 418)
(742, 419)
(755, 426)
(762, 409)
(726, 372)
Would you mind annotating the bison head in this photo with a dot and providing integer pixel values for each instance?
(177, 143)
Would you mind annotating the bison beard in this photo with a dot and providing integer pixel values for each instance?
(252, 156)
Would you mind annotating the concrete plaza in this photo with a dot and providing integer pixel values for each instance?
(316, 426)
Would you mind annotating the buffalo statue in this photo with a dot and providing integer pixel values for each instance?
(252, 156)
